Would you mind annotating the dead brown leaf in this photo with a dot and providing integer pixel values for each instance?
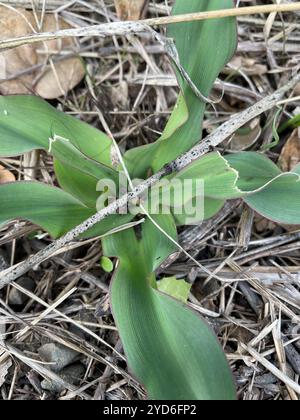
(290, 155)
(246, 137)
(264, 225)
(297, 90)
(6, 176)
(248, 66)
(48, 82)
(130, 9)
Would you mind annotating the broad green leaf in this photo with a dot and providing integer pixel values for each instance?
(204, 48)
(254, 170)
(28, 123)
(219, 179)
(54, 210)
(211, 208)
(169, 348)
(248, 175)
(78, 184)
(279, 201)
(296, 170)
(49, 207)
(206, 183)
(270, 192)
(178, 289)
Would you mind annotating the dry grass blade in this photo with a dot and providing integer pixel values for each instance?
(125, 28)
(273, 369)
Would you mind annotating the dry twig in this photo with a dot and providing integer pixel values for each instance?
(125, 28)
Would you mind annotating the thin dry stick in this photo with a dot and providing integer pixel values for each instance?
(273, 369)
(218, 136)
(28, 3)
(125, 28)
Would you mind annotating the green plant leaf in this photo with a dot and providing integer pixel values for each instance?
(107, 264)
(270, 192)
(76, 183)
(276, 137)
(254, 170)
(204, 48)
(54, 210)
(218, 177)
(178, 289)
(218, 184)
(211, 208)
(248, 175)
(296, 170)
(279, 201)
(169, 348)
(291, 123)
(49, 207)
(27, 123)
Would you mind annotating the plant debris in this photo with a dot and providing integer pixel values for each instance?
(33, 69)
(130, 10)
(131, 77)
